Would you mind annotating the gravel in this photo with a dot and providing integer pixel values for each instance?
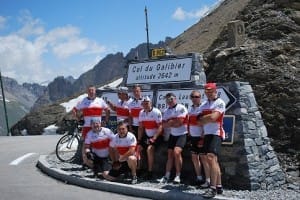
(289, 191)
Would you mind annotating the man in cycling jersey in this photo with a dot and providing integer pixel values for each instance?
(90, 107)
(122, 106)
(124, 145)
(135, 106)
(149, 132)
(97, 148)
(175, 117)
(197, 138)
(211, 118)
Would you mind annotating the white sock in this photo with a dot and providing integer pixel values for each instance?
(199, 178)
(167, 175)
(208, 180)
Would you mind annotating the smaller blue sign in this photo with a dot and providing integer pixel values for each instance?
(228, 126)
(112, 123)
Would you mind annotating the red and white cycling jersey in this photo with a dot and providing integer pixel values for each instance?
(123, 144)
(135, 106)
(150, 121)
(194, 129)
(179, 111)
(214, 128)
(122, 110)
(99, 141)
(91, 108)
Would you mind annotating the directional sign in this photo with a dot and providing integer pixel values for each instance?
(230, 98)
(113, 96)
(183, 97)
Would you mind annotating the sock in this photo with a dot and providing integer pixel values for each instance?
(199, 178)
(178, 174)
(213, 187)
(167, 175)
(219, 185)
(208, 180)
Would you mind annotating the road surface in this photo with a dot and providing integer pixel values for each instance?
(20, 179)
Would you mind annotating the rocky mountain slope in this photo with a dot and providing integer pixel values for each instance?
(19, 100)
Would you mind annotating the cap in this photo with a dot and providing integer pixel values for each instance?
(146, 98)
(170, 94)
(210, 86)
(123, 90)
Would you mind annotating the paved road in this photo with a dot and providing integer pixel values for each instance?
(20, 179)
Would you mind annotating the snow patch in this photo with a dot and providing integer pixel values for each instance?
(50, 130)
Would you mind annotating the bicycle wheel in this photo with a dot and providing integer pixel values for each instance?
(66, 148)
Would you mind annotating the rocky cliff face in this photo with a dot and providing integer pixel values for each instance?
(111, 66)
(269, 60)
(19, 99)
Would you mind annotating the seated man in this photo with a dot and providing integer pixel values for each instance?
(124, 144)
(97, 148)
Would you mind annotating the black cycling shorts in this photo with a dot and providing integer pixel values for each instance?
(146, 141)
(197, 145)
(176, 141)
(135, 130)
(122, 170)
(101, 164)
(212, 144)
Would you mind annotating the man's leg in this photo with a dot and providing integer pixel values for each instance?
(178, 160)
(132, 164)
(150, 155)
(196, 163)
(206, 168)
(214, 169)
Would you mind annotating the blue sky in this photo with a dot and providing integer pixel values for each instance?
(43, 39)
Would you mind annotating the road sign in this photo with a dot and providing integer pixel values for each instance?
(160, 71)
(158, 52)
(183, 97)
(230, 99)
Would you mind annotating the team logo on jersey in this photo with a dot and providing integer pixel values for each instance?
(220, 105)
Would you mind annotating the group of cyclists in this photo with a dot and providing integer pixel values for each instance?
(140, 128)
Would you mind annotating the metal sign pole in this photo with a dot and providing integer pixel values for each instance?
(148, 48)
(4, 105)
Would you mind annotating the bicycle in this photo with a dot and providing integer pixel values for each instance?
(68, 147)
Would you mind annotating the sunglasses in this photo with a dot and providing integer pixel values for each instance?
(170, 99)
(195, 97)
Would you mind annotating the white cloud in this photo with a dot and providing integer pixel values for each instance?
(181, 15)
(76, 45)
(32, 54)
(30, 26)
(2, 22)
